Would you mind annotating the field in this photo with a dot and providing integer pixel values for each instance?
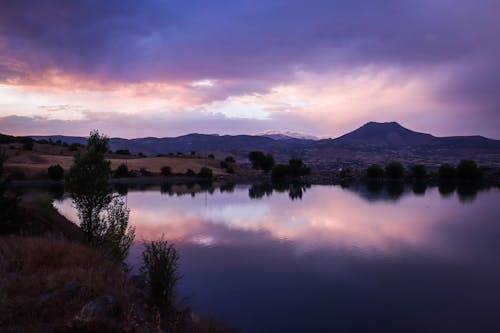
(34, 164)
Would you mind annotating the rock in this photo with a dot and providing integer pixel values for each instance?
(71, 289)
(101, 308)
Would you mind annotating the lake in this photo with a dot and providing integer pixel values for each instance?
(368, 258)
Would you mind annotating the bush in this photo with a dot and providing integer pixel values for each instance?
(190, 172)
(160, 266)
(55, 172)
(205, 172)
(223, 165)
(123, 152)
(166, 171)
(394, 170)
(230, 159)
(144, 172)
(419, 171)
(468, 170)
(121, 171)
(211, 156)
(446, 171)
(375, 171)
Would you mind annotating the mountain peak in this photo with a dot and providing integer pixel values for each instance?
(384, 134)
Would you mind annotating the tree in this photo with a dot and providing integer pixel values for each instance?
(55, 172)
(166, 171)
(88, 184)
(230, 159)
(190, 172)
(261, 161)
(117, 236)
(205, 172)
(446, 171)
(394, 170)
(374, 171)
(123, 152)
(419, 171)
(298, 168)
(280, 171)
(468, 170)
(160, 268)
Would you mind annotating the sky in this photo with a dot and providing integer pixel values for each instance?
(323, 67)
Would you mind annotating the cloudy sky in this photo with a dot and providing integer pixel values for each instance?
(323, 67)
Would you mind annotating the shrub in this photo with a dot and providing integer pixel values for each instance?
(419, 171)
(261, 161)
(468, 170)
(190, 172)
(160, 266)
(211, 156)
(375, 171)
(230, 159)
(166, 171)
(394, 170)
(205, 172)
(223, 165)
(230, 170)
(55, 172)
(446, 171)
(193, 153)
(121, 171)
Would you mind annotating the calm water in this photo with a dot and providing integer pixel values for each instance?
(328, 259)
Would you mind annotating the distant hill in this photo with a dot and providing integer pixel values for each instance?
(385, 134)
(277, 135)
(372, 142)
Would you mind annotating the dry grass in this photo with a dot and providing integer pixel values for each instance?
(34, 164)
(32, 268)
(178, 164)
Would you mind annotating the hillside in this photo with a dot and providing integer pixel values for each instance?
(372, 142)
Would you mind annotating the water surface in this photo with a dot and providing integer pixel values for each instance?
(330, 259)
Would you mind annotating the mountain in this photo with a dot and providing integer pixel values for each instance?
(278, 135)
(371, 143)
(385, 134)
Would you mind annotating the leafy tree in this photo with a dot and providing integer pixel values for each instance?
(375, 171)
(280, 171)
(394, 170)
(55, 172)
(419, 171)
(121, 171)
(205, 172)
(117, 237)
(160, 268)
(166, 171)
(468, 170)
(298, 168)
(88, 184)
(446, 171)
(261, 161)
